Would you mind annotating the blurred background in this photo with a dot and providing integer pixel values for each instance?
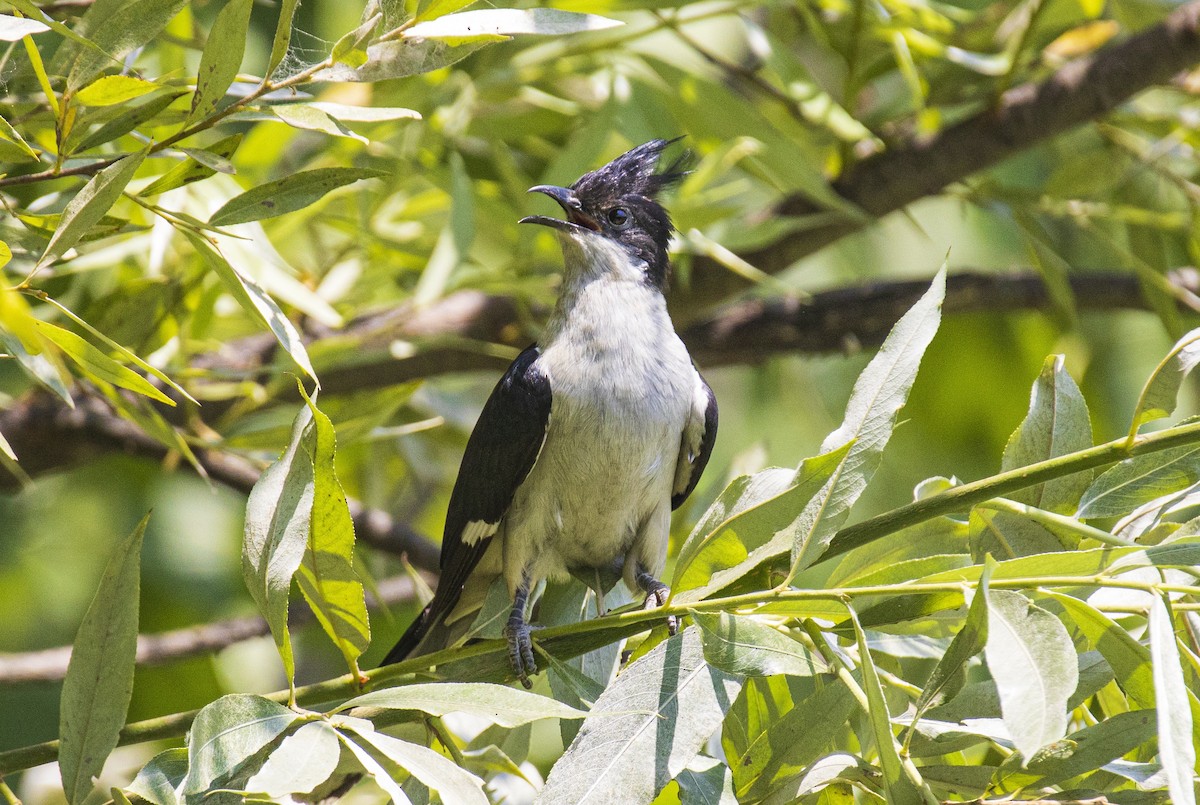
(774, 99)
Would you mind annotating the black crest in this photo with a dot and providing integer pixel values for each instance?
(621, 198)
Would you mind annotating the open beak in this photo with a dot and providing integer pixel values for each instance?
(576, 217)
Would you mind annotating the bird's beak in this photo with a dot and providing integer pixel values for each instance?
(566, 198)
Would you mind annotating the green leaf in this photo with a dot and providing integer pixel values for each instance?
(900, 787)
(90, 204)
(294, 192)
(706, 780)
(221, 58)
(756, 518)
(645, 729)
(301, 762)
(1007, 535)
(1138, 480)
(117, 29)
(497, 23)
(432, 9)
(229, 732)
(21, 339)
(499, 704)
(113, 89)
(1032, 659)
(400, 59)
(374, 768)
(1158, 396)
(1175, 749)
(305, 116)
(326, 576)
(278, 520)
(348, 49)
(159, 780)
(950, 673)
(98, 366)
(192, 169)
(879, 394)
(99, 681)
(127, 121)
(283, 35)
(438, 773)
(255, 301)
(741, 645)
(1057, 424)
(781, 738)
(10, 134)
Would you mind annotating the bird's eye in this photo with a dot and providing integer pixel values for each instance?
(619, 217)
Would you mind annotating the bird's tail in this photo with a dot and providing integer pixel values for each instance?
(412, 636)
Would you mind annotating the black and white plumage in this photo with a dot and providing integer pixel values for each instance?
(593, 435)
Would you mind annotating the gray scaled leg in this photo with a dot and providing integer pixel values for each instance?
(517, 633)
(657, 594)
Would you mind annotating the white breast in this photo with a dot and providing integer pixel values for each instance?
(622, 385)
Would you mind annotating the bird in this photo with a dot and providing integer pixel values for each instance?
(593, 436)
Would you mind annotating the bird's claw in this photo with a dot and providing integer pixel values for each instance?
(520, 650)
(656, 597)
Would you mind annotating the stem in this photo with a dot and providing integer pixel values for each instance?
(960, 498)
(1058, 522)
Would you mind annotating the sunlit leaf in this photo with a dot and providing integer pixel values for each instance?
(221, 58)
(278, 520)
(14, 28)
(746, 647)
(1138, 480)
(1175, 748)
(113, 89)
(159, 780)
(1032, 659)
(289, 194)
(1158, 396)
(96, 364)
(645, 729)
(1057, 424)
(781, 736)
(438, 773)
(229, 732)
(901, 788)
(326, 576)
(499, 704)
(879, 393)
(491, 24)
(301, 762)
(950, 672)
(99, 681)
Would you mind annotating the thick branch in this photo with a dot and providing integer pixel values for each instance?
(1085, 89)
(747, 332)
(50, 665)
(47, 436)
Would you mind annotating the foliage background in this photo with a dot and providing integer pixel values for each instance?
(776, 100)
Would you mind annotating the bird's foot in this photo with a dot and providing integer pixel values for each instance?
(518, 633)
(657, 594)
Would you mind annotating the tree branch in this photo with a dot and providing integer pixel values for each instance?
(1083, 90)
(50, 665)
(449, 337)
(46, 435)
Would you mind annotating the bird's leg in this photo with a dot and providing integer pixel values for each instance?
(517, 633)
(657, 594)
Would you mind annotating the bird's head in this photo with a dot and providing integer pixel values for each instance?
(619, 202)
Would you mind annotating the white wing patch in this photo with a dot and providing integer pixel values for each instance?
(477, 530)
(693, 434)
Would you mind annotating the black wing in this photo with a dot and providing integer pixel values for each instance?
(500, 453)
(700, 460)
